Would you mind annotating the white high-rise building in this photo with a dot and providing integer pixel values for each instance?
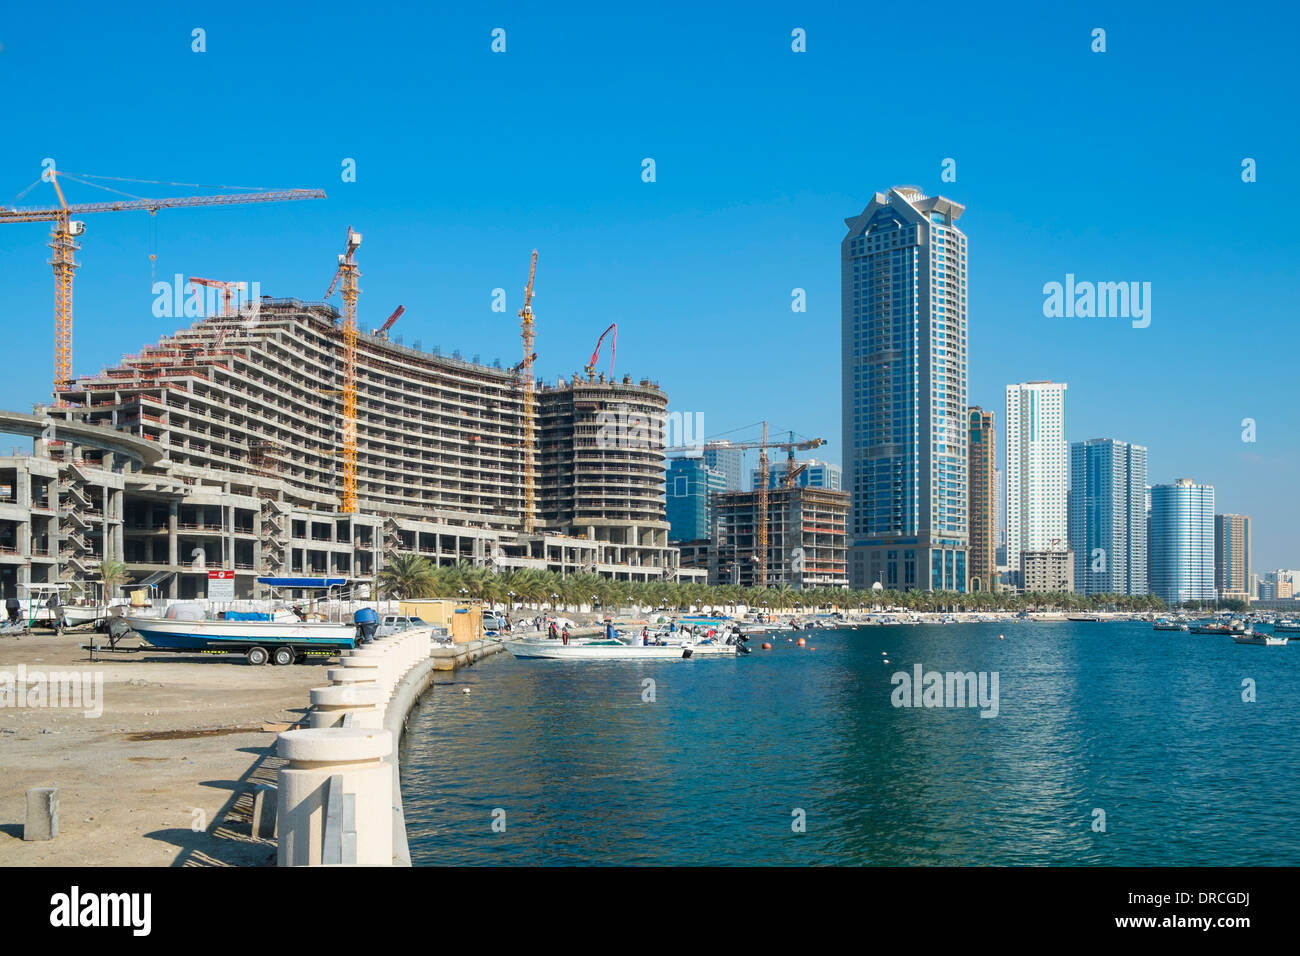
(1037, 471)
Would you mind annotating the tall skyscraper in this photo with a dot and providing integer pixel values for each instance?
(1232, 570)
(1108, 516)
(983, 508)
(1182, 542)
(903, 328)
(818, 474)
(688, 491)
(729, 462)
(1037, 470)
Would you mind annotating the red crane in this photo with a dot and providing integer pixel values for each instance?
(613, 346)
(382, 331)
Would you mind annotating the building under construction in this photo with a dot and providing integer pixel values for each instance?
(805, 538)
(241, 419)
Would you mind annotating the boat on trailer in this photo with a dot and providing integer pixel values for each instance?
(282, 637)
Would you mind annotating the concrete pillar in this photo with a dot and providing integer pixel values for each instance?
(173, 524)
(371, 661)
(42, 814)
(354, 757)
(330, 705)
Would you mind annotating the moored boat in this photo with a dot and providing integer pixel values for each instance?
(1266, 640)
(603, 649)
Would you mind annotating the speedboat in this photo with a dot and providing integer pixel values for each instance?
(1163, 625)
(241, 631)
(1266, 640)
(1219, 627)
(1287, 626)
(603, 649)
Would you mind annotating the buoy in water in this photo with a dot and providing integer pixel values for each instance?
(464, 690)
(885, 661)
(766, 646)
(1002, 637)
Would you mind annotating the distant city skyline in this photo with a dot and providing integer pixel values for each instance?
(699, 267)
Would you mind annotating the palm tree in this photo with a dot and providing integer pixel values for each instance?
(408, 576)
(113, 574)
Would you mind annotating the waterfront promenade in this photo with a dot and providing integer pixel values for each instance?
(160, 777)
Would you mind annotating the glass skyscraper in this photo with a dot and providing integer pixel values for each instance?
(903, 405)
(1182, 542)
(1108, 519)
(727, 462)
(687, 498)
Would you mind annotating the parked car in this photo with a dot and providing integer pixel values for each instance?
(394, 623)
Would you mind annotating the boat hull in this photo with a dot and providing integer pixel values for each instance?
(553, 650)
(206, 635)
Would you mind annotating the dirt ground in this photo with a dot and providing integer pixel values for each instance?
(164, 776)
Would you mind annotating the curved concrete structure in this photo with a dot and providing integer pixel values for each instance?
(79, 433)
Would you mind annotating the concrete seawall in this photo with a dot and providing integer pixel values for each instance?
(333, 819)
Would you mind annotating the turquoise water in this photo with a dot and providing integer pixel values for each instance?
(1147, 726)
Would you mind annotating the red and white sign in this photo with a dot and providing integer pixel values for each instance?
(221, 585)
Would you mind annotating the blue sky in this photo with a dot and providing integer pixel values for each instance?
(1123, 165)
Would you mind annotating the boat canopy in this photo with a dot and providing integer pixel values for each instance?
(303, 582)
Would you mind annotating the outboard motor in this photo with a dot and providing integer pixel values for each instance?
(367, 622)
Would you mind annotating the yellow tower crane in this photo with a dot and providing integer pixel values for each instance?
(349, 273)
(528, 333)
(63, 242)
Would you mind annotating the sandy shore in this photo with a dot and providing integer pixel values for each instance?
(162, 777)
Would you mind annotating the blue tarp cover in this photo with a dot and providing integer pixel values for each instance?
(248, 616)
(303, 582)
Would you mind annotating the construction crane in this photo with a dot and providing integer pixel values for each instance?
(590, 367)
(349, 273)
(528, 333)
(227, 288)
(382, 331)
(63, 241)
(760, 519)
(527, 359)
(791, 471)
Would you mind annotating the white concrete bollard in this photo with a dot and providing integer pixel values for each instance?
(375, 660)
(330, 705)
(335, 797)
(359, 676)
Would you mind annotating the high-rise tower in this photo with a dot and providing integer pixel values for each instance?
(903, 317)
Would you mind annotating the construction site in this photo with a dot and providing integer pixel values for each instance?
(275, 437)
(792, 536)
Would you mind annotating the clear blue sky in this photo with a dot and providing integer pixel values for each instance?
(1117, 166)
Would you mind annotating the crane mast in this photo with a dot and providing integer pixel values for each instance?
(348, 273)
(63, 243)
(528, 333)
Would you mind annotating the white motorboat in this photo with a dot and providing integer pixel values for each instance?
(242, 632)
(1265, 640)
(603, 649)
